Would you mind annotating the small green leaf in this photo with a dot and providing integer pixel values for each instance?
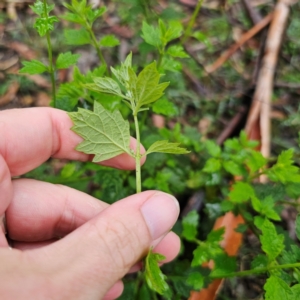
(146, 88)
(277, 289)
(105, 134)
(212, 165)
(151, 35)
(43, 24)
(216, 236)
(212, 148)
(164, 107)
(109, 41)
(267, 209)
(155, 279)
(260, 261)
(256, 204)
(272, 243)
(166, 147)
(241, 192)
(201, 256)
(174, 31)
(227, 206)
(233, 168)
(74, 18)
(38, 7)
(284, 171)
(256, 161)
(177, 51)
(65, 60)
(94, 14)
(224, 264)
(190, 223)
(33, 67)
(196, 280)
(297, 225)
(77, 37)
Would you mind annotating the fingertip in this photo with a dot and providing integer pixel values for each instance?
(115, 291)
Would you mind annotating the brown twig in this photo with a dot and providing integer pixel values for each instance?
(245, 37)
(261, 104)
(230, 127)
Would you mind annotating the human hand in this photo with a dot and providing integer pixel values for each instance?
(66, 244)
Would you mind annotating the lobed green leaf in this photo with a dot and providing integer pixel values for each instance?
(155, 279)
(65, 60)
(272, 243)
(109, 41)
(190, 223)
(105, 134)
(241, 192)
(166, 147)
(77, 37)
(33, 67)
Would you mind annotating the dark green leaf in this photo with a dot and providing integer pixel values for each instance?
(153, 275)
(196, 280)
(212, 148)
(260, 261)
(190, 223)
(33, 67)
(224, 264)
(65, 60)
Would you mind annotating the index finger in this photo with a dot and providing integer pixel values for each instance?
(31, 136)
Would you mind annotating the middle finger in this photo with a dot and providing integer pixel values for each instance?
(41, 211)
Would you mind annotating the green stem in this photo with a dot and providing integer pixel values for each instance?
(50, 57)
(256, 271)
(137, 156)
(192, 21)
(160, 56)
(95, 44)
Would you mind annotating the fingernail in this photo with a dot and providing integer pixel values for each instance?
(160, 213)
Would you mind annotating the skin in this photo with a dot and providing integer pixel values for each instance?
(66, 244)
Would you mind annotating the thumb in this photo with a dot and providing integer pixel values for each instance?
(94, 257)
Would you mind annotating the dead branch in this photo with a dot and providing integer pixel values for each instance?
(261, 104)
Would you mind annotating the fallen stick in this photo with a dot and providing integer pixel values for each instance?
(261, 104)
(245, 37)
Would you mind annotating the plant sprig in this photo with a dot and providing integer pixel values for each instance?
(106, 134)
(44, 24)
